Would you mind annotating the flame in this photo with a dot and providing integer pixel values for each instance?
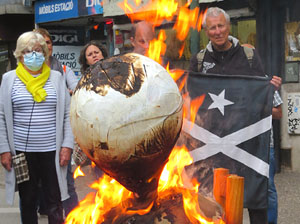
(175, 74)
(181, 51)
(148, 12)
(164, 10)
(195, 105)
(91, 209)
(78, 173)
(93, 164)
(171, 176)
(186, 19)
(157, 47)
(200, 20)
(109, 193)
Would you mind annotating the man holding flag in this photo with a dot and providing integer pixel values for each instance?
(232, 128)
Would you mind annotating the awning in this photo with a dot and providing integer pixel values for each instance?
(112, 8)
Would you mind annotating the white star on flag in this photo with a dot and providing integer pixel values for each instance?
(219, 101)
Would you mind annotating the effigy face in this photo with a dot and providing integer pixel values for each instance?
(126, 115)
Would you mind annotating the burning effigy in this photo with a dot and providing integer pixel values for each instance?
(126, 114)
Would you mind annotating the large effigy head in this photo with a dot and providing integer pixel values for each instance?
(126, 115)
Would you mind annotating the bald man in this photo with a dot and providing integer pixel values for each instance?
(141, 35)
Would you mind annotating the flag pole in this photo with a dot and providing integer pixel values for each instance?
(219, 189)
(234, 199)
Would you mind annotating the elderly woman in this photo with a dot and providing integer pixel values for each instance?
(34, 121)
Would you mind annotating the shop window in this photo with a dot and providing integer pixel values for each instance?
(292, 52)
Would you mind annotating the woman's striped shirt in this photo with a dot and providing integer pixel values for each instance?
(34, 123)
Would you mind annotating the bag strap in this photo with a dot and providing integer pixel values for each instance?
(249, 54)
(27, 137)
(200, 57)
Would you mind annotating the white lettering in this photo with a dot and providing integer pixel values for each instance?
(60, 7)
(56, 7)
(46, 9)
(91, 3)
(67, 38)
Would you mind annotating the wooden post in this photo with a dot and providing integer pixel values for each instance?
(234, 199)
(220, 178)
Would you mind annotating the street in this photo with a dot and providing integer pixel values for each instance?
(287, 183)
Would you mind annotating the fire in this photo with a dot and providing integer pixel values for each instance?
(78, 172)
(164, 10)
(93, 164)
(171, 176)
(92, 208)
(157, 47)
(109, 193)
(175, 74)
(186, 19)
(195, 105)
(200, 20)
(110, 196)
(149, 12)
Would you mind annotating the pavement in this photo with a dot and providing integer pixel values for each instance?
(11, 214)
(287, 183)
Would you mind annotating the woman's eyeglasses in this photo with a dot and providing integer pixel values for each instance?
(36, 50)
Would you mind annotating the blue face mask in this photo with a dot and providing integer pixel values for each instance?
(34, 60)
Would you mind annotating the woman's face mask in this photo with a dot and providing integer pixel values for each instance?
(34, 60)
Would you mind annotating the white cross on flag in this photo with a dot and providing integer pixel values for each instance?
(231, 130)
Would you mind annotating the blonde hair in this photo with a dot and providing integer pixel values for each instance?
(44, 33)
(27, 41)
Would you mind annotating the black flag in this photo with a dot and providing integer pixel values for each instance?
(231, 130)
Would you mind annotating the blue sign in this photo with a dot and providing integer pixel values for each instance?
(54, 10)
(90, 7)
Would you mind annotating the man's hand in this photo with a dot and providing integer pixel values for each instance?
(277, 113)
(64, 156)
(276, 81)
(6, 160)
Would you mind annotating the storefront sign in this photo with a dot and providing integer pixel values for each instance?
(55, 10)
(90, 7)
(70, 36)
(46, 11)
(68, 55)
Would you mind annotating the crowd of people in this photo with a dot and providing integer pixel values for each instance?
(34, 114)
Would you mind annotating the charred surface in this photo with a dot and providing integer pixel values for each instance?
(124, 74)
(141, 172)
(166, 210)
